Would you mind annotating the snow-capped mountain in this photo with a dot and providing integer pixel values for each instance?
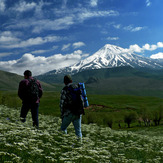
(110, 56)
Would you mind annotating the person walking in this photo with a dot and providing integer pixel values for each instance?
(70, 112)
(30, 91)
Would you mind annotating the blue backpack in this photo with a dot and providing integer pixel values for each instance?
(84, 94)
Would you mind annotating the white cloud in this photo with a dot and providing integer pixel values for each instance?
(149, 47)
(55, 47)
(2, 6)
(7, 38)
(133, 29)
(23, 6)
(86, 14)
(117, 26)
(47, 24)
(66, 47)
(74, 45)
(64, 3)
(112, 38)
(17, 43)
(137, 29)
(146, 47)
(160, 44)
(65, 21)
(39, 25)
(58, 20)
(85, 55)
(130, 28)
(135, 48)
(39, 65)
(78, 52)
(148, 3)
(157, 56)
(39, 51)
(5, 54)
(93, 3)
(78, 44)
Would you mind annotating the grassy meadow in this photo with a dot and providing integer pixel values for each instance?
(103, 109)
(21, 143)
(106, 136)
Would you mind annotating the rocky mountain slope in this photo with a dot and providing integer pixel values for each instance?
(110, 56)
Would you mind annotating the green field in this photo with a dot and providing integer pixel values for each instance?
(103, 109)
(21, 143)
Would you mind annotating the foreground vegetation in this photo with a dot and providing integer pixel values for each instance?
(21, 143)
(115, 111)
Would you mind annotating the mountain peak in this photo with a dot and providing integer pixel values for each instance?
(109, 49)
(111, 56)
(109, 45)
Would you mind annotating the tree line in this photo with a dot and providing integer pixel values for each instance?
(144, 118)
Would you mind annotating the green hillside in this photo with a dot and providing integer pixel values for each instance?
(127, 85)
(119, 80)
(118, 72)
(105, 73)
(122, 80)
(10, 81)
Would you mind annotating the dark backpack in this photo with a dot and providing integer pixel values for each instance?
(33, 90)
(75, 101)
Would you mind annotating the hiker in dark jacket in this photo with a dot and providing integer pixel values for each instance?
(30, 97)
(66, 114)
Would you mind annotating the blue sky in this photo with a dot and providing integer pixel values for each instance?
(43, 35)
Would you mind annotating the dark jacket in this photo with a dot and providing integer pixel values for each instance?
(64, 101)
(23, 87)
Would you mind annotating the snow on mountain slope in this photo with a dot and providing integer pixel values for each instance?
(110, 56)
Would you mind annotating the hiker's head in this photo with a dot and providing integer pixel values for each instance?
(67, 79)
(27, 74)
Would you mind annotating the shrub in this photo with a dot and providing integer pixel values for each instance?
(88, 118)
(146, 117)
(158, 115)
(108, 120)
(130, 117)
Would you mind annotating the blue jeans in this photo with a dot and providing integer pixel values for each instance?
(76, 120)
(34, 111)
